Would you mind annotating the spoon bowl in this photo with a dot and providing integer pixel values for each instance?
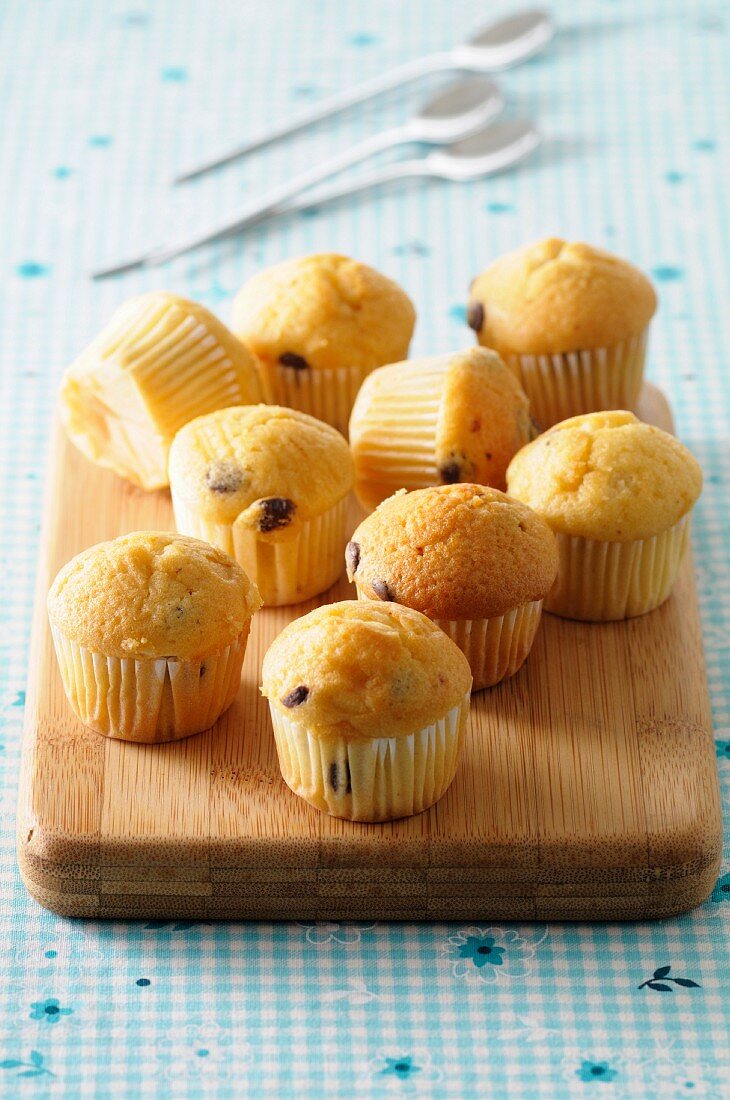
(489, 150)
(457, 111)
(507, 42)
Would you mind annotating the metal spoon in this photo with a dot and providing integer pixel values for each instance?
(485, 153)
(497, 46)
(454, 113)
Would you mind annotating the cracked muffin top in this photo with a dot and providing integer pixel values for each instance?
(323, 311)
(606, 476)
(360, 670)
(152, 594)
(262, 466)
(558, 296)
(454, 552)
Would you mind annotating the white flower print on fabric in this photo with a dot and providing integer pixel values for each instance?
(355, 993)
(345, 932)
(201, 1052)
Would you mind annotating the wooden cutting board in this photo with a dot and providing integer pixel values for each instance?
(587, 788)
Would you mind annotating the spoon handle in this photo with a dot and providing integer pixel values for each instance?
(349, 97)
(273, 199)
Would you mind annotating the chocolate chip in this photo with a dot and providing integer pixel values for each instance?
(334, 777)
(475, 424)
(488, 456)
(296, 697)
(225, 476)
(352, 556)
(202, 671)
(475, 315)
(380, 588)
(450, 473)
(276, 512)
(291, 359)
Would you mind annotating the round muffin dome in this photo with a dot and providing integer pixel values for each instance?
(260, 465)
(606, 476)
(358, 670)
(454, 552)
(557, 296)
(323, 312)
(152, 594)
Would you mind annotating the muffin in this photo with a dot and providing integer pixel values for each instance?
(150, 632)
(317, 326)
(159, 362)
(269, 486)
(369, 705)
(572, 322)
(618, 495)
(476, 562)
(434, 421)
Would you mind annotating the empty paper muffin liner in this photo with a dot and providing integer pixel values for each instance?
(149, 699)
(393, 438)
(600, 581)
(561, 386)
(376, 779)
(495, 648)
(327, 394)
(287, 566)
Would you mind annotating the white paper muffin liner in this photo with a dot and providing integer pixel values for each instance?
(602, 581)
(561, 386)
(149, 699)
(288, 568)
(495, 648)
(327, 394)
(379, 779)
(393, 436)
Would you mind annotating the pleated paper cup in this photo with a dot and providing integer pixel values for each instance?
(495, 648)
(561, 386)
(327, 394)
(149, 700)
(393, 436)
(603, 581)
(288, 566)
(376, 779)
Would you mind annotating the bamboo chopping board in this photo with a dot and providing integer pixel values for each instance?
(587, 788)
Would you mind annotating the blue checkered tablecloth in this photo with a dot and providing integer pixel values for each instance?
(99, 103)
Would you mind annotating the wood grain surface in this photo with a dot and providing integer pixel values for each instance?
(587, 788)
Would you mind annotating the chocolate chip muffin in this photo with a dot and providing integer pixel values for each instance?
(478, 563)
(572, 322)
(150, 632)
(369, 705)
(618, 494)
(159, 362)
(317, 326)
(446, 419)
(269, 486)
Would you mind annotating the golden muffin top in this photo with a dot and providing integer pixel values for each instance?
(323, 312)
(261, 466)
(152, 594)
(557, 296)
(454, 552)
(606, 476)
(361, 670)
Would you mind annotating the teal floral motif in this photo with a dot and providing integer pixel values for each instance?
(722, 889)
(403, 1068)
(49, 1010)
(659, 979)
(488, 955)
(34, 1067)
(723, 750)
(596, 1071)
(482, 950)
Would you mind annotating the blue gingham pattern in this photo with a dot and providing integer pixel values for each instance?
(100, 102)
